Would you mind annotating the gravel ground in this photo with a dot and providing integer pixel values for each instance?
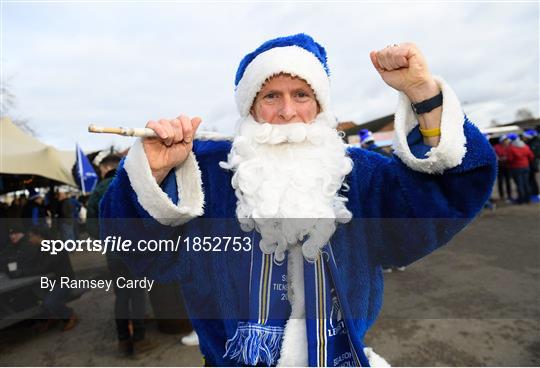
(473, 303)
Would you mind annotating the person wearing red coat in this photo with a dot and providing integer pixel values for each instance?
(503, 173)
(520, 158)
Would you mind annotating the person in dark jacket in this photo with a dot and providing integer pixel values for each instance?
(107, 168)
(65, 214)
(35, 209)
(16, 207)
(32, 262)
(128, 302)
(15, 248)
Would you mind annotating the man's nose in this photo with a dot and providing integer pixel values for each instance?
(288, 109)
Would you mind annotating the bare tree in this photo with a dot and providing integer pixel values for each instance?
(524, 114)
(7, 99)
(7, 103)
(24, 124)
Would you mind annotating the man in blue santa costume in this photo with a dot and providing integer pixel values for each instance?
(316, 218)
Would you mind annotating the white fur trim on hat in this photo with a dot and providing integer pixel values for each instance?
(154, 200)
(293, 60)
(451, 149)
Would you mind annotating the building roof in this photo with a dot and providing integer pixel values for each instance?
(385, 123)
(524, 124)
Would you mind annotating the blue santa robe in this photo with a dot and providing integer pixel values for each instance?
(404, 207)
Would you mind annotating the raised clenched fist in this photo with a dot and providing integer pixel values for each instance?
(404, 68)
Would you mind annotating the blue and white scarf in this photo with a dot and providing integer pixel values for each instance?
(259, 339)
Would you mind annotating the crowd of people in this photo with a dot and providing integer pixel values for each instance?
(518, 158)
(21, 256)
(33, 216)
(60, 214)
(45, 209)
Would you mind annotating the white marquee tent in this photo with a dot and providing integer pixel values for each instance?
(23, 154)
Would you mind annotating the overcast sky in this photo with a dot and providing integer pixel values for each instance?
(121, 64)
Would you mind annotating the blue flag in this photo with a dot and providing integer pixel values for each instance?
(86, 174)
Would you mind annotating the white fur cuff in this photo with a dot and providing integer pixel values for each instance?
(375, 360)
(451, 149)
(154, 200)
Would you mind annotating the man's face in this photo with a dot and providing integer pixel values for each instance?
(103, 170)
(284, 99)
(14, 237)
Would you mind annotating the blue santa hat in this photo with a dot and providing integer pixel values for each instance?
(530, 133)
(502, 138)
(298, 55)
(512, 136)
(366, 136)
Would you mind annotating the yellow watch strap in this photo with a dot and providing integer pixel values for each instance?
(431, 132)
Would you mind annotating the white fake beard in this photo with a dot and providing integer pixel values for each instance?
(287, 179)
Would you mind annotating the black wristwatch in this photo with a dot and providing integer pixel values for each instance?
(427, 105)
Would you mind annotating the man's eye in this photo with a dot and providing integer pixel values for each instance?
(302, 95)
(270, 96)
